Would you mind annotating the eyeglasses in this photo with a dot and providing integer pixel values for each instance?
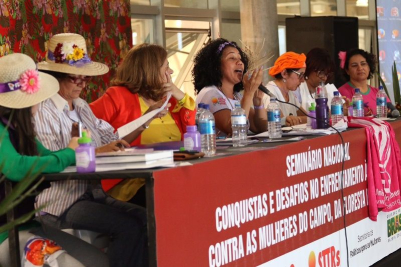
(323, 75)
(301, 75)
(79, 80)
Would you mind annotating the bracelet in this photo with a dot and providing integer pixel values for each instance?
(259, 107)
(145, 126)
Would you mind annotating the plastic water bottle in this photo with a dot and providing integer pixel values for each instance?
(208, 132)
(337, 112)
(192, 140)
(357, 104)
(273, 119)
(85, 155)
(198, 112)
(381, 103)
(322, 109)
(311, 122)
(239, 126)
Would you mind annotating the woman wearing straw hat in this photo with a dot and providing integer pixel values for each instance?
(288, 71)
(22, 88)
(124, 222)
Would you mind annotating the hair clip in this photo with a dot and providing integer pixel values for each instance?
(342, 55)
(221, 46)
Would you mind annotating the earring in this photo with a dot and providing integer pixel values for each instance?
(284, 80)
(306, 77)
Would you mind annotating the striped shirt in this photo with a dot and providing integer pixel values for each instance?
(53, 125)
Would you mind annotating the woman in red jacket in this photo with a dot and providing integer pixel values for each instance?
(144, 78)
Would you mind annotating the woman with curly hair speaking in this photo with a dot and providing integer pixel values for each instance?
(220, 73)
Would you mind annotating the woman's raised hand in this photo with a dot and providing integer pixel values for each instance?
(169, 86)
(252, 81)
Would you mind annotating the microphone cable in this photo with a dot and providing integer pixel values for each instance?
(342, 171)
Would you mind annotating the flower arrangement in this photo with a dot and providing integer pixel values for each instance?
(70, 53)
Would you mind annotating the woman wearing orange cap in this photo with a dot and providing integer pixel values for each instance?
(288, 71)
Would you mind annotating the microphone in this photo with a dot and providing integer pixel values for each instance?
(266, 91)
(394, 112)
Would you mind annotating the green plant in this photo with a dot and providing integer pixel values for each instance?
(24, 188)
(396, 85)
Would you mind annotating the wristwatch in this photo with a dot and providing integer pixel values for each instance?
(145, 126)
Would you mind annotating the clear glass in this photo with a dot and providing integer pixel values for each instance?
(183, 40)
(230, 5)
(365, 39)
(282, 43)
(186, 3)
(288, 7)
(323, 8)
(140, 2)
(357, 8)
(142, 31)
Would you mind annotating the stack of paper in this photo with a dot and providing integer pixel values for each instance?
(131, 158)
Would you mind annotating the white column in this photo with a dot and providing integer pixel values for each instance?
(259, 25)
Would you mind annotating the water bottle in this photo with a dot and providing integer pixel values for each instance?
(357, 104)
(192, 140)
(273, 119)
(85, 154)
(337, 112)
(198, 112)
(239, 126)
(208, 132)
(322, 109)
(381, 103)
(311, 122)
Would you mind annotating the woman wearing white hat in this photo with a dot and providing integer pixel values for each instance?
(81, 205)
(22, 88)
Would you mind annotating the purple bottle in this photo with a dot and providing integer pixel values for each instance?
(312, 112)
(192, 139)
(322, 109)
(85, 155)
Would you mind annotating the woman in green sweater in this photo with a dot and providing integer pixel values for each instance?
(22, 88)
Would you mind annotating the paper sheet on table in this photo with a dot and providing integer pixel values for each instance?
(133, 125)
(301, 129)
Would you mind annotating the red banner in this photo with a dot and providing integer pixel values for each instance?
(247, 209)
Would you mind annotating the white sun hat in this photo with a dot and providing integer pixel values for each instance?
(67, 53)
(21, 85)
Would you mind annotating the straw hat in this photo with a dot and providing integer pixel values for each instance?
(67, 53)
(21, 85)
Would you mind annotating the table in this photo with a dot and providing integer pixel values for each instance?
(187, 207)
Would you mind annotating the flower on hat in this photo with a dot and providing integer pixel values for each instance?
(68, 51)
(77, 54)
(67, 48)
(29, 81)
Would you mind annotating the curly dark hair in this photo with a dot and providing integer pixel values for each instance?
(207, 65)
(370, 59)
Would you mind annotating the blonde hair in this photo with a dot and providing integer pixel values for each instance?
(140, 71)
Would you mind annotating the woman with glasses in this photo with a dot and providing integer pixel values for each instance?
(288, 71)
(78, 204)
(319, 68)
